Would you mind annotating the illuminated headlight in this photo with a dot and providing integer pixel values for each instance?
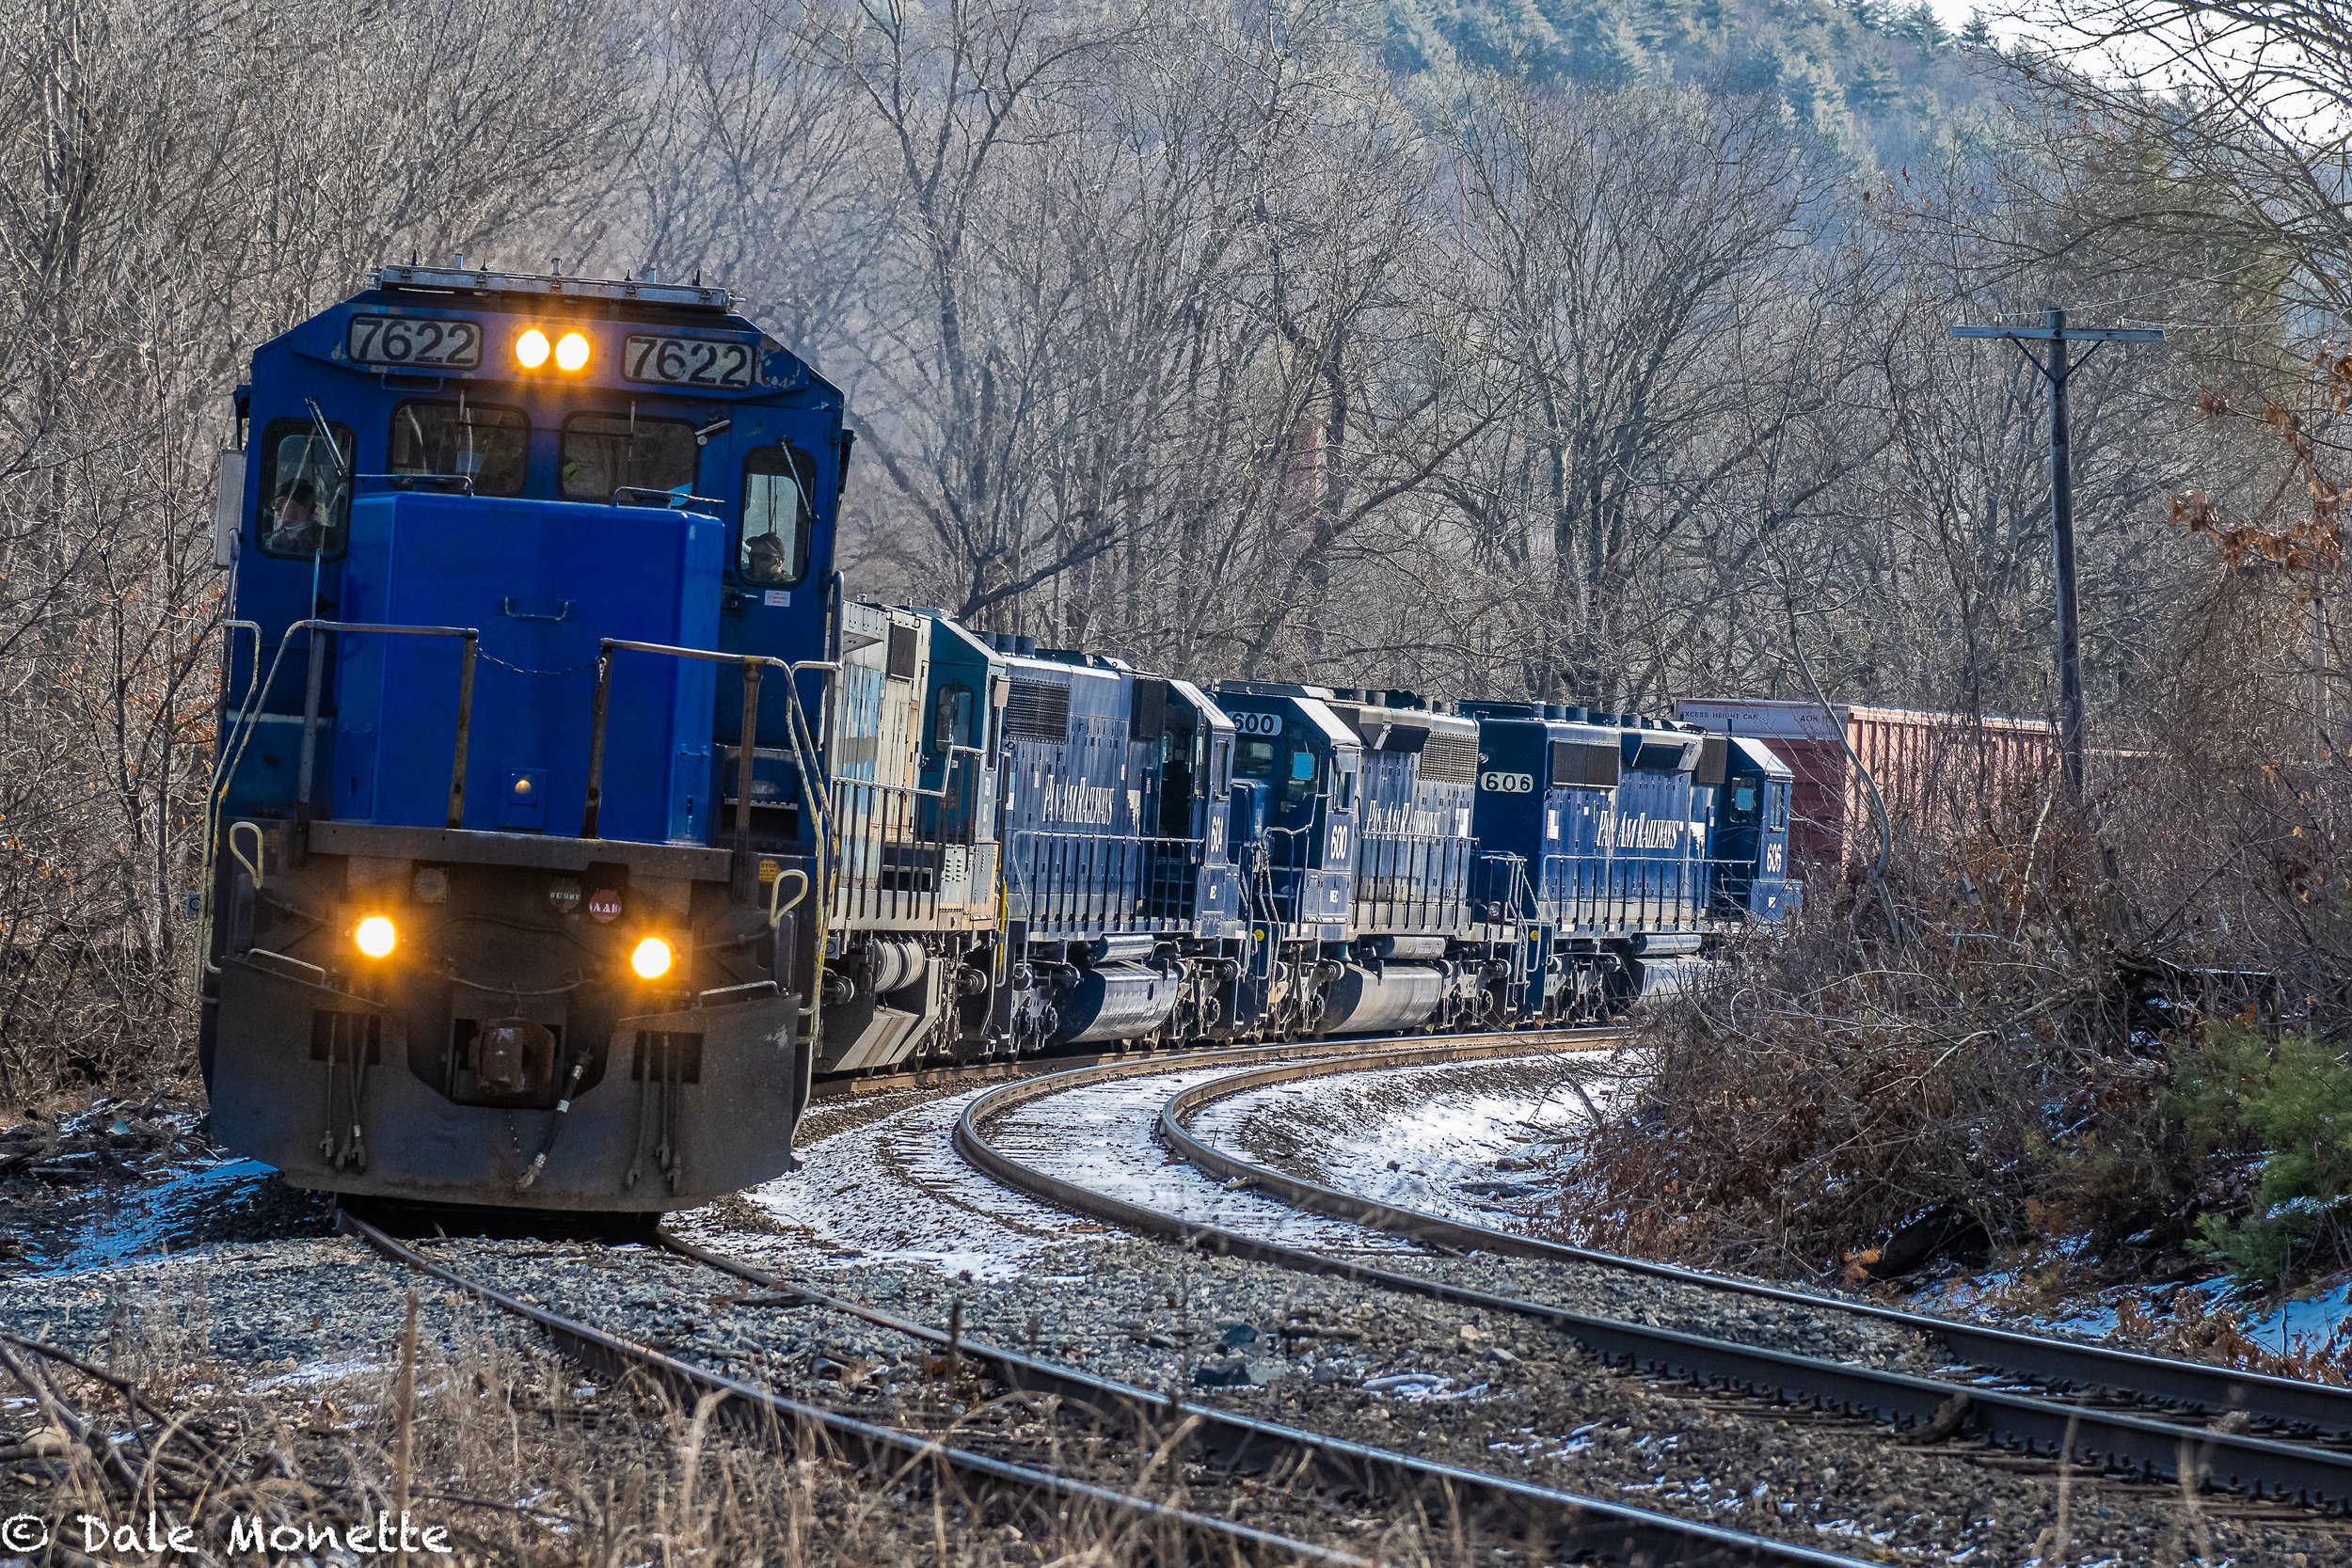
(376, 935)
(531, 349)
(571, 351)
(652, 959)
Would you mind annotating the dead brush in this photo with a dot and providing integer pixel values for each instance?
(2002, 1036)
(2194, 1329)
(1962, 1044)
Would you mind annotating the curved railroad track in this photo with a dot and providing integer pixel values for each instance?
(885, 1450)
(2006, 1409)
(1473, 1505)
(2286, 1405)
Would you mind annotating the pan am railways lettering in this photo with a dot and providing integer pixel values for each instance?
(1088, 805)
(1398, 819)
(1643, 833)
(1071, 800)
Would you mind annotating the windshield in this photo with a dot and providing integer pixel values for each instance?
(488, 447)
(627, 459)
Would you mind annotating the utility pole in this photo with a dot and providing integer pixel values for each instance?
(2054, 369)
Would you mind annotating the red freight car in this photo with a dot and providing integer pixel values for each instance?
(1931, 768)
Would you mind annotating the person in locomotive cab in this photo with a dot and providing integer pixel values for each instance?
(764, 559)
(294, 527)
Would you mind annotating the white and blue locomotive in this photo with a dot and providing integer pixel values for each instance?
(570, 820)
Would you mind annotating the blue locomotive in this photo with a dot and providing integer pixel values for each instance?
(569, 819)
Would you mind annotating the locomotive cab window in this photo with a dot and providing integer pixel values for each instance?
(952, 725)
(306, 491)
(1742, 806)
(488, 447)
(778, 516)
(1305, 772)
(627, 459)
(1778, 795)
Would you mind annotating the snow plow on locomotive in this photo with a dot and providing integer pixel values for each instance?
(570, 820)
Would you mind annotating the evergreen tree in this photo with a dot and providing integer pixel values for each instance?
(1922, 27)
(1871, 86)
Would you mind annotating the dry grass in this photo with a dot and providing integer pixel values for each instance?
(523, 1460)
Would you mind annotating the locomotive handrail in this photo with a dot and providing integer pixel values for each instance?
(225, 767)
(1417, 877)
(1053, 903)
(471, 636)
(892, 839)
(752, 666)
(1609, 894)
(673, 501)
(842, 781)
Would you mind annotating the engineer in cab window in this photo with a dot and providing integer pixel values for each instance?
(306, 490)
(778, 516)
(293, 521)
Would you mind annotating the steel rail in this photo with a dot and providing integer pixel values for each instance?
(1594, 1036)
(2033, 1423)
(871, 1446)
(1577, 1526)
(2069, 1363)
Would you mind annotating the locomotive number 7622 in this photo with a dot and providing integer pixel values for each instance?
(686, 361)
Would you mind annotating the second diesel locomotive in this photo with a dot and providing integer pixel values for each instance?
(570, 818)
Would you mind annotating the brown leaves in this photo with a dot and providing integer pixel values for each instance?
(2308, 547)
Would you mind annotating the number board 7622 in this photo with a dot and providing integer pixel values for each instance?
(688, 361)
(423, 342)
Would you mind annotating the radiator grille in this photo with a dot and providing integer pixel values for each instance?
(1584, 764)
(902, 652)
(1037, 711)
(1450, 758)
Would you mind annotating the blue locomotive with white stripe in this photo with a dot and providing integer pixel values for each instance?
(571, 818)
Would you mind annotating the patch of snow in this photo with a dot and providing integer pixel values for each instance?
(316, 1373)
(1447, 1138)
(2307, 1322)
(145, 1227)
(893, 1190)
(2091, 1323)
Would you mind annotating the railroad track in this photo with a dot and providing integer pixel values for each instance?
(1564, 1525)
(2286, 1405)
(981, 1074)
(2021, 1418)
(1560, 1526)
(879, 1449)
